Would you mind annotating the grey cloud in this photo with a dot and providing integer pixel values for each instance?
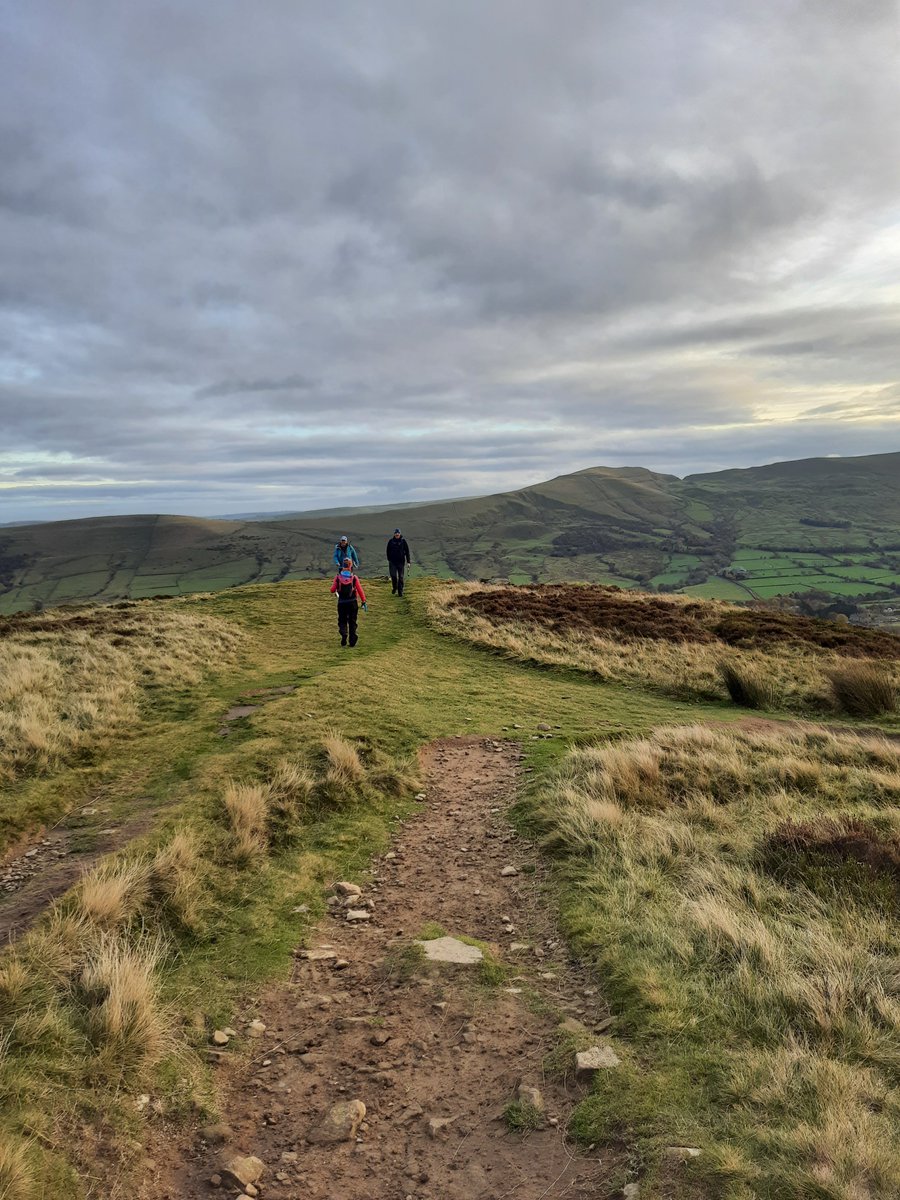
(238, 387)
(524, 233)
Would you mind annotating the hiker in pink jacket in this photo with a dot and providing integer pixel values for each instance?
(350, 595)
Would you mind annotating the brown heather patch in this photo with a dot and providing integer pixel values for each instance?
(682, 647)
(844, 839)
(635, 615)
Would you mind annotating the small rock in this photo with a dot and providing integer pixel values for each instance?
(439, 1126)
(528, 1094)
(217, 1134)
(250, 1190)
(597, 1058)
(243, 1169)
(348, 889)
(220, 1038)
(358, 914)
(256, 1029)
(631, 1191)
(682, 1153)
(450, 950)
(542, 725)
(340, 1124)
(410, 1113)
(300, 908)
(215, 1180)
(508, 872)
(317, 955)
(229, 1032)
(515, 947)
(420, 796)
(341, 964)
(380, 1039)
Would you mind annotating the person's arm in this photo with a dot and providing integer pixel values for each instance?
(359, 591)
(336, 557)
(334, 584)
(406, 551)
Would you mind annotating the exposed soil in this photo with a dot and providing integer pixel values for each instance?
(609, 610)
(36, 872)
(259, 696)
(415, 1042)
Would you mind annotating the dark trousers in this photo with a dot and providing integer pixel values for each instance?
(348, 614)
(397, 573)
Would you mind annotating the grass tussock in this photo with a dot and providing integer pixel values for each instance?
(864, 690)
(747, 686)
(736, 893)
(124, 1017)
(17, 1180)
(69, 681)
(113, 893)
(247, 809)
(771, 671)
(176, 877)
(345, 767)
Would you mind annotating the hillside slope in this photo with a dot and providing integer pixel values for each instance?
(830, 524)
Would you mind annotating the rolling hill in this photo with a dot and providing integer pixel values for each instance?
(827, 524)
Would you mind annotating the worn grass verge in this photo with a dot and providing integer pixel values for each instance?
(71, 679)
(118, 989)
(774, 675)
(737, 893)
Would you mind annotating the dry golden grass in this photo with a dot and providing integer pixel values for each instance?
(291, 786)
(247, 808)
(69, 682)
(125, 1019)
(113, 893)
(779, 677)
(345, 767)
(778, 988)
(864, 689)
(16, 1178)
(175, 876)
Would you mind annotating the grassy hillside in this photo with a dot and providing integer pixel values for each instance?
(733, 890)
(827, 524)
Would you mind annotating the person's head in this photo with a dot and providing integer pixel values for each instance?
(397, 533)
(348, 564)
(344, 540)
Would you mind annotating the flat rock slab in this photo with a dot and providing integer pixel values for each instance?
(240, 710)
(598, 1058)
(450, 950)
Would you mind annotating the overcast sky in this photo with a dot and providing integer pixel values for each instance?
(288, 254)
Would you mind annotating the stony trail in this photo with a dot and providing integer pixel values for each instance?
(435, 1053)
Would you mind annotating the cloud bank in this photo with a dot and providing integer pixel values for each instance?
(296, 254)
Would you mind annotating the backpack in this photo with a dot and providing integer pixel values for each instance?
(346, 590)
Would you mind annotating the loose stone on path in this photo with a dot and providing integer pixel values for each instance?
(450, 950)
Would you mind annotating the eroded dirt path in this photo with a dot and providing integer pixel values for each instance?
(435, 1053)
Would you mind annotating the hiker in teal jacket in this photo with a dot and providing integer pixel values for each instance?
(343, 550)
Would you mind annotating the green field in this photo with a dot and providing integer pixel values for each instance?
(815, 523)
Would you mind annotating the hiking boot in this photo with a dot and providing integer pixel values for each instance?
(353, 642)
(343, 641)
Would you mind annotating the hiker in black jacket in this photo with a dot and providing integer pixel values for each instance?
(398, 560)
